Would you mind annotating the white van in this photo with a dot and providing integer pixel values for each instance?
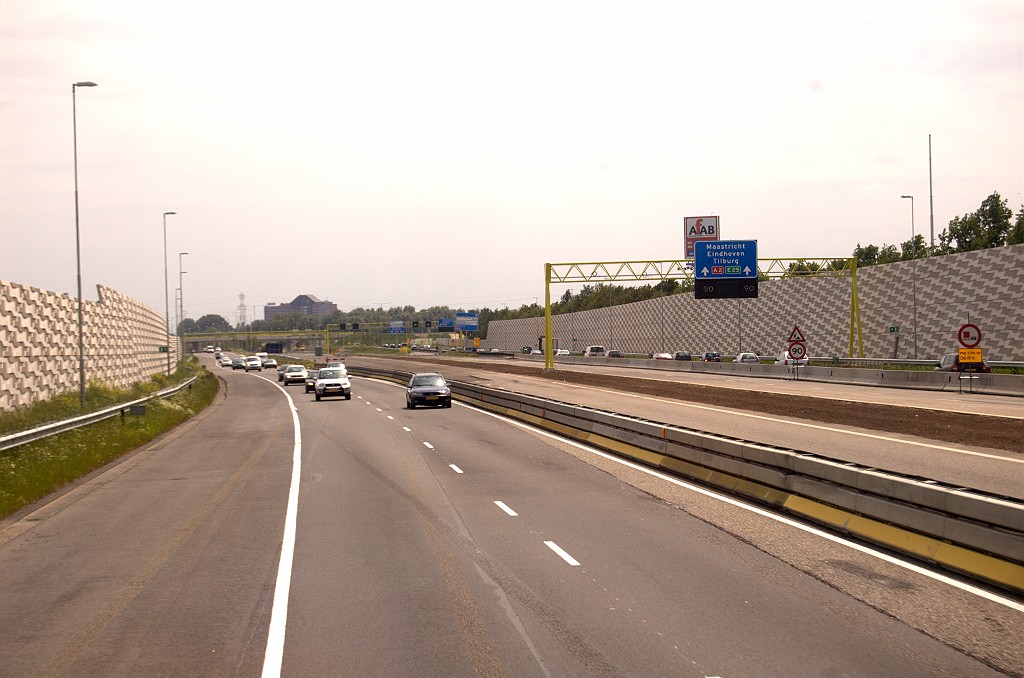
(594, 352)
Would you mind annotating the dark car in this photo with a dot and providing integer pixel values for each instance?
(711, 357)
(428, 388)
(616, 354)
(682, 355)
(951, 363)
(311, 380)
(238, 363)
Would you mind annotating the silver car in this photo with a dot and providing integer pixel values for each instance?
(332, 381)
(294, 374)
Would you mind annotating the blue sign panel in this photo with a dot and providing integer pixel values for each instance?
(468, 322)
(445, 324)
(718, 259)
(396, 327)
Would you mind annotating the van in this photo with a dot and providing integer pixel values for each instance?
(594, 352)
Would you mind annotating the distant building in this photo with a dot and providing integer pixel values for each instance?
(306, 304)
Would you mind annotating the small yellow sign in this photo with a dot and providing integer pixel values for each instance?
(969, 355)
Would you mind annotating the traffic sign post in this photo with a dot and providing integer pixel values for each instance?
(969, 335)
(725, 259)
(725, 269)
(797, 350)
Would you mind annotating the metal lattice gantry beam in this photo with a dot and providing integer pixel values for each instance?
(683, 269)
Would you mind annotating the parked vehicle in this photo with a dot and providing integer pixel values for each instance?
(950, 362)
(428, 388)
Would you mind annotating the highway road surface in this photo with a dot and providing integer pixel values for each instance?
(277, 535)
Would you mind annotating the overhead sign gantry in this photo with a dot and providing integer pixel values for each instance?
(684, 269)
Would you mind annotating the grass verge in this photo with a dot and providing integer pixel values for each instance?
(30, 472)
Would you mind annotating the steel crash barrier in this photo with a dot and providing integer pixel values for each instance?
(133, 407)
(968, 531)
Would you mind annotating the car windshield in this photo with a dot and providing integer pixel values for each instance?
(428, 380)
(328, 374)
(295, 368)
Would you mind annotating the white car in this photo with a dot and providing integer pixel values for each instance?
(225, 361)
(253, 363)
(332, 381)
(786, 359)
(561, 351)
(750, 358)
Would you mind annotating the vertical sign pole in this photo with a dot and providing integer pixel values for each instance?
(549, 360)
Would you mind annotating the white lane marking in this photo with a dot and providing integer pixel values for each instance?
(428, 445)
(455, 468)
(391, 418)
(504, 507)
(907, 565)
(379, 410)
(274, 654)
(565, 556)
(407, 429)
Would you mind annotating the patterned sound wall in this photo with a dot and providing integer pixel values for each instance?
(39, 343)
(985, 288)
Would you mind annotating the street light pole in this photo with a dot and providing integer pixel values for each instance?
(78, 248)
(167, 301)
(913, 267)
(181, 291)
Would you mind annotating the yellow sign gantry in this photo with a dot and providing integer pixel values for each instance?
(683, 269)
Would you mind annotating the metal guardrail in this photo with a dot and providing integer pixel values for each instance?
(53, 428)
(961, 529)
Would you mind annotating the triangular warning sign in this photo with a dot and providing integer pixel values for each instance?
(796, 335)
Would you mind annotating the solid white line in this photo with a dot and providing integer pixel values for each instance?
(455, 468)
(391, 418)
(274, 654)
(428, 445)
(506, 509)
(379, 410)
(981, 593)
(565, 556)
(407, 429)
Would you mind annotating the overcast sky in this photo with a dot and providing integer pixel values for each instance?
(431, 153)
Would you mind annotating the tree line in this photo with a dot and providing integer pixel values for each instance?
(991, 225)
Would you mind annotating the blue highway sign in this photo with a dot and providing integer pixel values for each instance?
(720, 259)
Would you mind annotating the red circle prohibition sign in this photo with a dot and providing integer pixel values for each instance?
(969, 335)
